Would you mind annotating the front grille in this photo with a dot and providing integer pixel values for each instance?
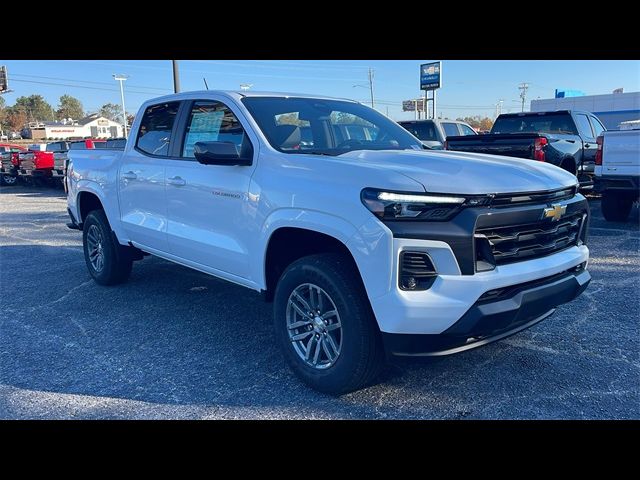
(511, 199)
(532, 240)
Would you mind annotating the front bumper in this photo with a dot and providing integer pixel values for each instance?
(494, 317)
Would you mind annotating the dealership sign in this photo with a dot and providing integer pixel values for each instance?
(430, 76)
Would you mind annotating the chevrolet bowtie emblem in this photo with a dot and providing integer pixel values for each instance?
(554, 212)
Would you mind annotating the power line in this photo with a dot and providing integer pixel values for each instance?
(80, 86)
(84, 81)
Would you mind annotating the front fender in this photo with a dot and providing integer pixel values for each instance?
(328, 224)
(370, 244)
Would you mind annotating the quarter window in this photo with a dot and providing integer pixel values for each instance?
(597, 127)
(211, 121)
(466, 130)
(450, 129)
(154, 134)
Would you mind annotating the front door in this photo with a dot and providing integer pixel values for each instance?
(141, 178)
(207, 205)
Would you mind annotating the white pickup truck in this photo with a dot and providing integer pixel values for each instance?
(367, 244)
(617, 172)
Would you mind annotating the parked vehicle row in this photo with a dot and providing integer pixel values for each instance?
(41, 162)
(367, 243)
(563, 138)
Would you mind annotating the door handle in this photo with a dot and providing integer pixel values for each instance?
(177, 181)
(586, 145)
(129, 176)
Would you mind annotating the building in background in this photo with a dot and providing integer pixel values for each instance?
(93, 126)
(611, 108)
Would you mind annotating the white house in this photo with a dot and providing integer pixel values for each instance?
(94, 126)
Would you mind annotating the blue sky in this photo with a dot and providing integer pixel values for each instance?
(470, 87)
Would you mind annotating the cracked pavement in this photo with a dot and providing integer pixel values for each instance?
(175, 343)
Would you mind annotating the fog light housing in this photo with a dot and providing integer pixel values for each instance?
(416, 271)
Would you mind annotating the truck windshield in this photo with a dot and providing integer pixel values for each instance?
(325, 127)
(535, 123)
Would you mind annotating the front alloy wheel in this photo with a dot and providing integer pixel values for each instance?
(314, 326)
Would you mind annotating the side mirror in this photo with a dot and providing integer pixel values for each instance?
(219, 153)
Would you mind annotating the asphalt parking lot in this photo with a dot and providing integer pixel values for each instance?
(175, 343)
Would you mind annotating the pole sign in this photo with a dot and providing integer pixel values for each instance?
(430, 76)
(4, 79)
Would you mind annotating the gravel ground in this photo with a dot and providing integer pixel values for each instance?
(175, 343)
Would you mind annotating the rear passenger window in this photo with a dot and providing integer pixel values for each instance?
(211, 121)
(450, 129)
(154, 134)
(583, 126)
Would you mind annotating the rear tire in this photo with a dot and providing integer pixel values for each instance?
(359, 356)
(109, 263)
(616, 205)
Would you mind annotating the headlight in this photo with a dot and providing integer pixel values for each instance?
(417, 206)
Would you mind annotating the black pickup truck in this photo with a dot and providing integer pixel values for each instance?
(563, 138)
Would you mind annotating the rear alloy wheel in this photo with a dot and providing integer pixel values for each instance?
(324, 324)
(9, 180)
(109, 263)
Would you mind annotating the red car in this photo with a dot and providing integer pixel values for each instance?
(9, 163)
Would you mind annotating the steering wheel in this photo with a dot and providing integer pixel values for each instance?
(351, 142)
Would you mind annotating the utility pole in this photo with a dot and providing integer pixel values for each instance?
(122, 78)
(523, 93)
(176, 77)
(424, 103)
(371, 86)
(499, 107)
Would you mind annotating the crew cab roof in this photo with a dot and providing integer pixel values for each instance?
(238, 95)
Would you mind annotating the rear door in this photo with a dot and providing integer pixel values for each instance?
(450, 129)
(141, 178)
(209, 219)
(589, 145)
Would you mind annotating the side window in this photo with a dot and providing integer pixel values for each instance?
(598, 128)
(154, 134)
(583, 126)
(211, 121)
(450, 129)
(466, 130)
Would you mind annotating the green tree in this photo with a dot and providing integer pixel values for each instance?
(70, 107)
(3, 113)
(111, 111)
(35, 107)
(16, 117)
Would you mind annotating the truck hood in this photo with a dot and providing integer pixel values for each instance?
(466, 173)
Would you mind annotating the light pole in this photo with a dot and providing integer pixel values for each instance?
(370, 87)
(121, 78)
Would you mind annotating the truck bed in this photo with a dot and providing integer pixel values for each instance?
(509, 144)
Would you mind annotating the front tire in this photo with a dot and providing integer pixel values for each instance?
(325, 326)
(616, 206)
(109, 263)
